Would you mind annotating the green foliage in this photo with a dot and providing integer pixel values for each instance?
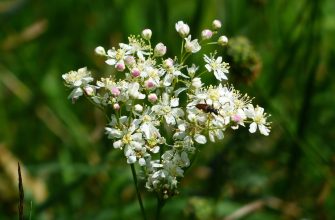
(72, 172)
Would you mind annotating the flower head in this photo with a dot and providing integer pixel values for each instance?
(160, 109)
(217, 66)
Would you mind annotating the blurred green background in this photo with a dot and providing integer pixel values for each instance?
(282, 53)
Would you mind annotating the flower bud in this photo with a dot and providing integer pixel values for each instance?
(89, 90)
(160, 50)
(149, 84)
(168, 63)
(129, 60)
(120, 66)
(100, 51)
(115, 91)
(206, 34)
(223, 40)
(152, 97)
(196, 82)
(182, 28)
(138, 108)
(116, 106)
(146, 34)
(216, 24)
(135, 72)
(236, 118)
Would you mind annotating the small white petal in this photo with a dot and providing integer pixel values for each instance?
(131, 159)
(142, 162)
(174, 102)
(111, 62)
(117, 144)
(201, 139)
(264, 130)
(253, 127)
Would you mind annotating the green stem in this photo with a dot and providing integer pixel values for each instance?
(133, 171)
(160, 204)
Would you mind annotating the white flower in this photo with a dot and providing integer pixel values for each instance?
(259, 119)
(116, 56)
(168, 109)
(77, 78)
(133, 91)
(182, 28)
(192, 70)
(135, 46)
(217, 66)
(238, 118)
(191, 46)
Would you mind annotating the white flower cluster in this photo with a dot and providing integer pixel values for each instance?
(148, 122)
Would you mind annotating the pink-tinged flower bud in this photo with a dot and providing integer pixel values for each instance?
(146, 34)
(116, 106)
(168, 63)
(115, 91)
(129, 60)
(120, 66)
(216, 24)
(149, 84)
(152, 97)
(236, 118)
(160, 50)
(100, 51)
(182, 28)
(206, 34)
(89, 90)
(223, 40)
(135, 72)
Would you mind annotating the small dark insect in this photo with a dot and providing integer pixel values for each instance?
(207, 108)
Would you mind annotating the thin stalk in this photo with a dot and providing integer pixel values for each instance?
(160, 204)
(133, 171)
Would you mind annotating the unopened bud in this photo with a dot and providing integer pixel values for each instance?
(216, 24)
(160, 50)
(120, 66)
(149, 84)
(182, 28)
(196, 82)
(206, 34)
(138, 108)
(89, 90)
(146, 34)
(116, 106)
(223, 40)
(135, 72)
(115, 91)
(129, 60)
(152, 97)
(100, 51)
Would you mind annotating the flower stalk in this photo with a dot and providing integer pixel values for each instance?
(133, 171)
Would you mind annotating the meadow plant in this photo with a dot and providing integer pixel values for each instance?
(159, 134)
